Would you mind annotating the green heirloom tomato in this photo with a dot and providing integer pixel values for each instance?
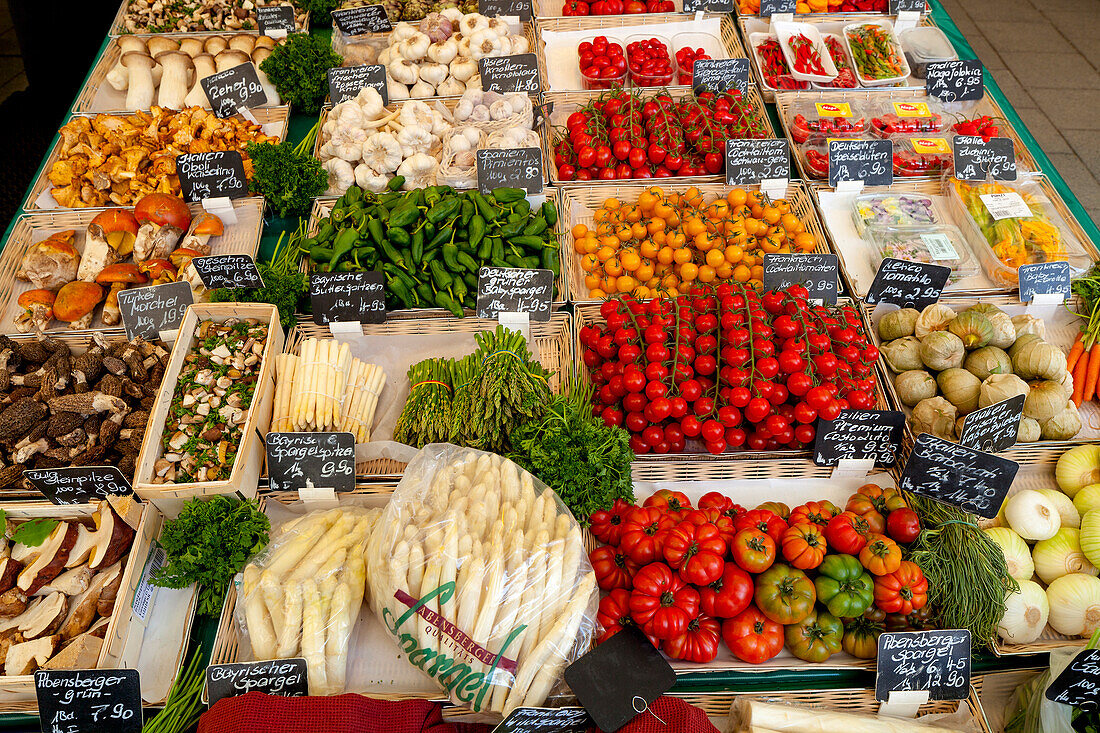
(784, 594)
(861, 638)
(845, 588)
(816, 638)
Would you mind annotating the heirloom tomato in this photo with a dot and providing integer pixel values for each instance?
(661, 603)
(784, 594)
(752, 636)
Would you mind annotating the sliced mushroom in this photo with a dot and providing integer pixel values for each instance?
(128, 508)
(85, 538)
(44, 617)
(51, 561)
(9, 572)
(71, 582)
(12, 603)
(106, 603)
(82, 607)
(28, 656)
(113, 537)
(80, 653)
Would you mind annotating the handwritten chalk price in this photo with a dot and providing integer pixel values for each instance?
(907, 284)
(234, 89)
(79, 484)
(870, 161)
(149, 310)
(976, 159)
(956, 81)
(954, 474)
(748, 162)
(212, 175)
(89, 700)
(934, 661)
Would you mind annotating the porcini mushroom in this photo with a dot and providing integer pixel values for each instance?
(173, 83)
(159, 271)
(121, 227)
(37, 310)
(258, 56)
(52, 262)
(229, 58)
(75, 303)
(118, 75)
(204, 67)
(159, 44)
(118, 277)
(98, 253)
(163, 218)
(215, 45)
(203, 227)
(139, 82)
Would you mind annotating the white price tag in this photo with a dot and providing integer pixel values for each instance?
(1005, 205)
(939, 247)
(143, 595)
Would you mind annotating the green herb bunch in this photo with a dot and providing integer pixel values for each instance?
(298, 69)
(284, 286)
(289, 177)
(208, 544)
(585, 461)
(320, 11)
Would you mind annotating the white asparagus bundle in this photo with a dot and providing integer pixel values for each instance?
(285, 367)
(498, 569)
(303, 595)
(748, 714)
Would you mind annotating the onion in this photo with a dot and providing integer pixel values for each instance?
(1032, 515)
(1074, 601)
(1061, 555)
(1025, 614)
(1087, 499)
(1078, 467)
(1017, 556)
(1070, 515)
(1090, 536)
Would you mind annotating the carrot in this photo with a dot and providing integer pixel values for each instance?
(1075, 351)
(1093, 372)
(1080, 374)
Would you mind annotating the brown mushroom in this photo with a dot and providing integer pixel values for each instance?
(258, 56)
(51, 561)
(243, 42)
(9, 572)
(160, 44)
(13, 602)
(37, 310)
(52, 262)
(78, 555)
(203, 227)
(192, 46)
(106, 603)
(264, 42)
(121, 227)
(76, 302)
(159, 271)
(229, 58)
(215, 45)
(113, 537)
(71, 582)
(118, 277)
(82, 607)
(25, 658)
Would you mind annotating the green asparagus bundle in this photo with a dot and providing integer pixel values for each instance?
(426, 416)
(466, 380)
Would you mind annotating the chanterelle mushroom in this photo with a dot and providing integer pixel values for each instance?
(118, 277)
(98, 254)
(76, 302)
(52, 262)
(37, 310)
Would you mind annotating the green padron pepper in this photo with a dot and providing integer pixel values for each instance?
(816, 637)
(845, 588)
(507, 195)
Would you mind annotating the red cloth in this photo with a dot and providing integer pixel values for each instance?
(678, 717)
(255, 712)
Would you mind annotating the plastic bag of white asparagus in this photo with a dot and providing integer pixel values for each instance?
(479, 573)
(301, 596)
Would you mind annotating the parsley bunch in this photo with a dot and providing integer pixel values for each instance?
(586, 462)
(284, 286)
(208, 544)
(298, 69)
(287, 176)
(320, 11)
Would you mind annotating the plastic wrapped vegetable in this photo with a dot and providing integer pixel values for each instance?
(301, 597)
(480, 574)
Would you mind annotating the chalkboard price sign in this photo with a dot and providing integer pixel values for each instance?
(513, 290)
(275, 18)
(977, 159)
(285, 677)
(325, 459)
(344, 82)
(88, 700)
(768, 8)
(708, 6)
(859, 434)
(79, 484)
(993, 428)
(364, 19)
(1079, 683)
(505, 8)
(870, 161)
(348, 296)
(212, 175)
(914, 661)
(509, 168)
(228, 271)
(954, 474)
(748, 162)
(720, 75)
(907, 6)
(545, 720)
(609, 679)
(1044, 278)
(234, 89)
(956, 81)
(146, 311)
(818, 272)
(907, 284)
(519, 73)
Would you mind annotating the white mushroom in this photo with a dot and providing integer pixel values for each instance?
(173, 82)
(118, 76)
(204, 67)
(258, 56)
(139, 81)
(382, 152)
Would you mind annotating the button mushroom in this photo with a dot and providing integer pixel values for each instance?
(98, 253)
(121, 228)
(76, 302)
(118, 75)
(173, 83)
(37, 310)
(139, 81)
(118, 277)
(159, 271)
(203, 227)
(204, 67)
(52, 262)
(258, 57)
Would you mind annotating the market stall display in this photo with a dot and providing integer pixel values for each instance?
(143, 16)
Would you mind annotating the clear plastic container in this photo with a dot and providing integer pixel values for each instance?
(694, 42)
(656, 78)
(1011, 241)
(818, 120)
(788, 33)
(885, 29)
(925, 45)
(777, 77)
(846, 72)
(815, 155)
(924, 116)
(594, 76)
(894, 210)
(936, 245)
(922, 155)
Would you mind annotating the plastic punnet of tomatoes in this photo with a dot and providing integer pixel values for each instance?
(820, 120)
(649, 62)
(922, 155)
(907, 117)
(602, 63)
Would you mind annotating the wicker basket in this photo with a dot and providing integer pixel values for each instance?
(301, 18)
(851, 700)
(995, 690)
(579, 201)
(553, 347)
(560, 105)
(730, 41)
(985, 106)
(550, 9)
(322, 206)
(279, 117)
(89, 98)
(240, 238)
